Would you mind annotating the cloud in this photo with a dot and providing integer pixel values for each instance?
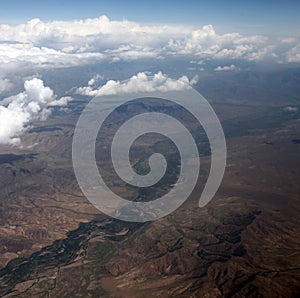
(205, 43)
(63, 101)
(291, 109)
(288, 40)
(133, 52)
(95, 79)
(57, 44)
(226, 68)
(293, 55)
(17, 112)
(89, 34)
(142, 82)
(26, 56)
(5, 85)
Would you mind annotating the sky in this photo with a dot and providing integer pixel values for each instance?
(249, 17)
(215, 36)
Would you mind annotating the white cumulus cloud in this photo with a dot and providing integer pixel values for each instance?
(79, 42)
(226, 68)
(95, 79)
(37, 45)
(141, 82)
(17, 112)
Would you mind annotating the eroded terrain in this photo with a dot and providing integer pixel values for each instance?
(245, 243)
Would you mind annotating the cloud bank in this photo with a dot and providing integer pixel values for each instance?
(27, 49)
(142, 82)
(17, 112)
(57, 44)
